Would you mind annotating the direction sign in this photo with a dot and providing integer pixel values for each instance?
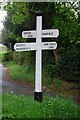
(33, 46)
(49, 45)
(29, 34)
(25, 46)
(50, 33)
(38, 46)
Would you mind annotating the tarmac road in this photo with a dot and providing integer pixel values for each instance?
(11, 87)
(7, 86)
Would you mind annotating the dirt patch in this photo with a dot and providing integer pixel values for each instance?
(67, 90)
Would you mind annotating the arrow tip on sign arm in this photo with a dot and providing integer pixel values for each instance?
(23, 34)
(58, 32)
(14, 47)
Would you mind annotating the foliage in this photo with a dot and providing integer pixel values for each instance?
(7, 56)
(3, 50)
(51, 107)
(63, 16)
(0, 105)
(20, 72)
(68, 67)
(1, 56)
(24, 58)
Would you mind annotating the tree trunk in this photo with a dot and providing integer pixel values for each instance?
(56, 55)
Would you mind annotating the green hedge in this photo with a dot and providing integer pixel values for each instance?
(7, 56)
(23, 57)
(68, 67)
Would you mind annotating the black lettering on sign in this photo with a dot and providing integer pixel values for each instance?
(20, 45)
(44, 33)
(23, 48)
(17, 45)
(45, 43)
(51, 33)
(27, 32)
(47, 33)
(51, 43)
(26, 48)
(17, 49)
(30, 35)
(29, 48)
(50, 47)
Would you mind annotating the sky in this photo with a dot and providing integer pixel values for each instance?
(2, 17)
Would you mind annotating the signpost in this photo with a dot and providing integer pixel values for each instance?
(25, 46)
(33, 46)
(29, 34)
(51, 33)
(38, 46)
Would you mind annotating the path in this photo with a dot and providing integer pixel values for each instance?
(7, 86)
(16, 87)
(12, 87)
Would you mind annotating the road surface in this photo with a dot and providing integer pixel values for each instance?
(7, 86)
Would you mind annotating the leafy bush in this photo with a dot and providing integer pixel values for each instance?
(23, 57)
(8, 56)
(1, 56)
(68, 67)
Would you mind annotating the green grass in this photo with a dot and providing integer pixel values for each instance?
(24, 73)
(0, 106)
(2, 55)
(20, 72)
(51, 107)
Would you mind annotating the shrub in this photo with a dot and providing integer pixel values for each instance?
(68, 67)
(23, 57)
(7, 56)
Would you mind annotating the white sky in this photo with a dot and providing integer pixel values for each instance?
(2, 17)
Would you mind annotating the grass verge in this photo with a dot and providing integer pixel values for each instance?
(51, 107)
(24, 73)
(20, 72)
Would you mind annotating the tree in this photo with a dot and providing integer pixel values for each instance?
(20, 16)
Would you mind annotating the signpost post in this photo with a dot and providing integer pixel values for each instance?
(38, 46)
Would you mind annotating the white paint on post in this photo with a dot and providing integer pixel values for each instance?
(38, 46)
(38, 79)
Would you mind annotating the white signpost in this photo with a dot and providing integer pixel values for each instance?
(44, 33)
(33, 46)
(25, 46)
(38, 46)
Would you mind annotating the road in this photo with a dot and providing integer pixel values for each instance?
(7, 86)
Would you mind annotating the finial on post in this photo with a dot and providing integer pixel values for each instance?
(39, 13)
